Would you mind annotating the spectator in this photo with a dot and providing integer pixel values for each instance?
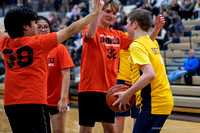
(123, 18)
(176, 26)
(186, 10)
(68, 21)
(56, 25)
(175, 6)
(75, 11)
(83, 9)
(52, 17)
(140, 3)
(124, 2)
(190, 64)
(162, 38)
(155, 7)
(57, 5)
(197, 10)
(167, 21)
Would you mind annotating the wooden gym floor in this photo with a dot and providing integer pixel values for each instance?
(176, 123)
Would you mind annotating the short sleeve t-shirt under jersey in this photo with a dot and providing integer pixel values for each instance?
(58, 59)
(157, 95)
(100, 58)
(26, 68)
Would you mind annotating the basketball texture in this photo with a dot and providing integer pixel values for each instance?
(110, 99)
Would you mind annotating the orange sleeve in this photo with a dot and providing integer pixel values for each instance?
(49, 41)
(64, 57)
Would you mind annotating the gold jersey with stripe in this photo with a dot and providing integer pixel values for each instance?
(124, 71)
(157, 95)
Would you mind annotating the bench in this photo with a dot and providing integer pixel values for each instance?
(181, 46)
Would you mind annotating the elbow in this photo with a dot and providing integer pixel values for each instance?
(89, 35)
(151, 76)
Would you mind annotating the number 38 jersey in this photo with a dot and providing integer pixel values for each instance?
(100, 58)
(26, 68)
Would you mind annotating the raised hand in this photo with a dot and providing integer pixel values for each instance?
(159, 22)
(98, 5)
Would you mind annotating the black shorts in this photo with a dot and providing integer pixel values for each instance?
(93, 108)
(26, 118)
(52, 110)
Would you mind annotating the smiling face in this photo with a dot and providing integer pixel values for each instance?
(108, 16)
(43, 27)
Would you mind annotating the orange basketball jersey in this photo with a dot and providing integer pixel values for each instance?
(26, 68)
(100, 58)
(58, 59)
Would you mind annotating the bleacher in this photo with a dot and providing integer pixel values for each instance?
(186, 97)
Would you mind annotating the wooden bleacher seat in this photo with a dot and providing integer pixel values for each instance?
(185, 90)
(191, 22)
(186, 96)
(181, 46)
(196, 32)
(188, 27)
(195, 80)
(172, 53)
(194, 39)
(183, 101)
(168, 60)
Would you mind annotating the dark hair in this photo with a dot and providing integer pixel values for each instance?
(142, 17)
(114, 5)
(45, 19)
(16, 18)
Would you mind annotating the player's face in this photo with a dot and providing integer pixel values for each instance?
(30, 30)
(130, 28)
(108, 16)
(43, 27)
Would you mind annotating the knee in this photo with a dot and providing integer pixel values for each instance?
(58, 131)
(85, 129)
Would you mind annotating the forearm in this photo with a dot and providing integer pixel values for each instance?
(146, 78)
(65, 84)
(75, 28)
(143, 81)
(91, 31)
(2, 31)
(154, 34)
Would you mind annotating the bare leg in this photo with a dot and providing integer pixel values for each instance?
(58, 122)
(108, 127)
(119, 124)
(85, 129)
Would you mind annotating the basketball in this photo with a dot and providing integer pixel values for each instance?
(110, 99)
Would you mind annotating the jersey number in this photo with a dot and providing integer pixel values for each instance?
(28, 58)
(112, 53)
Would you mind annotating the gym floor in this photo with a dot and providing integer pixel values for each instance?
(176, 123)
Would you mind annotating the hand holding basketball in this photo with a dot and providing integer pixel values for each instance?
(113, 96)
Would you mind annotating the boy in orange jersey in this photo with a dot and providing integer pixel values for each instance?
(99, 65)
(149, 78)
(25, 57)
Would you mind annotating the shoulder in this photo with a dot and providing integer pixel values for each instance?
(61, 48)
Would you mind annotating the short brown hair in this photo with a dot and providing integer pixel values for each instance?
(114, 5)
(143, 17)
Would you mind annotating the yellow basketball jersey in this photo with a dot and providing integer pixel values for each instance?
(124, 72)
(158, 94)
